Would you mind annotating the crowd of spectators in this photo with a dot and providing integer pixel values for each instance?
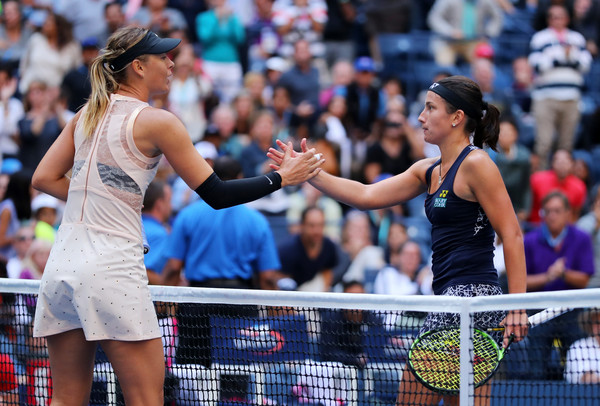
(249, 72)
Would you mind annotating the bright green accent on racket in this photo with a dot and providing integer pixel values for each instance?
(434, 359)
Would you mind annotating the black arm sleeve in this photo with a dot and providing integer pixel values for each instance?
(220, 194)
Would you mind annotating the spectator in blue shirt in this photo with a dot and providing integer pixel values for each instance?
(302, 82)
(155, 216)
(366, 102)
(228, 248)
(221, 248)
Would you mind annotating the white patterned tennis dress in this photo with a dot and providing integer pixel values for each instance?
(95, 278)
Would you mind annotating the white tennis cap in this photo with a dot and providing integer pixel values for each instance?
(276, 63)
(207, 150)
(44, 200)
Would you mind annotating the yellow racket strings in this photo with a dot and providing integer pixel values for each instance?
(435, 358)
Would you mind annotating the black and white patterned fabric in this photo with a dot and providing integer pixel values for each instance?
(482, 320)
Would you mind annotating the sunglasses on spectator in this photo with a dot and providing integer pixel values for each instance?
(393, 124)
(25, 237)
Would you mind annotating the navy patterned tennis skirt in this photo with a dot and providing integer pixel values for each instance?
(481, 320)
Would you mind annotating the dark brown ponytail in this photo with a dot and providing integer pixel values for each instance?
(486, 127)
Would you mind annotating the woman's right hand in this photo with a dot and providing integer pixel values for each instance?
(515, 323)
(295, 167)
(277, 154)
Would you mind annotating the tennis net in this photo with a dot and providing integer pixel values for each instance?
(237, 347)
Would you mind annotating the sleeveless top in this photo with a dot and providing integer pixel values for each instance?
(461, 235)
(110, 175)
(95, 278)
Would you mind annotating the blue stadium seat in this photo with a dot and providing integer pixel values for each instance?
(369, 279)
(421, 44)
(424, 71)
(402, 54)
(519, 22)
(418, 229)
(508, 47)
(279, 227)
(504, 76)
(592, 82)
(414, 45)
(381, 383)
(385, 346)
(592, 164)
(596, 163)
(280, 378)
(547, 393)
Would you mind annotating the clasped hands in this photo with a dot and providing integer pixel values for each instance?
(295, 167)
(556, 270)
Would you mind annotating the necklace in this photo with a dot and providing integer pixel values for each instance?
(440, 177)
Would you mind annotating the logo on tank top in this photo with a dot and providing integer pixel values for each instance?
(441, 200)
(481, 222)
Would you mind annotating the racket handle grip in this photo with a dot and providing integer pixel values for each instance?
(511, 338)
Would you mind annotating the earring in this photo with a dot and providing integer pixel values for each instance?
(453, 124)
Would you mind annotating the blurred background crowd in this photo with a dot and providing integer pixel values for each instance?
(348, 75)
(351, 77)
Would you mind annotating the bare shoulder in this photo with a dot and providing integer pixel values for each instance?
(152, 118)
(72, 123)
(77, 115)
(426, 162)
(478, 166)
(478, 159)
(423, 164)
(420, 167)
(155, 124)
(157, 130)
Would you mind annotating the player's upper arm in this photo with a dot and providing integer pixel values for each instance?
(397, 189)
(161, 131)
(56, 163)
(487, 185)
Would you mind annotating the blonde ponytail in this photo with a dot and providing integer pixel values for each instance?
(104, 81)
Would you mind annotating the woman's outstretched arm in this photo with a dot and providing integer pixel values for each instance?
(389, 192)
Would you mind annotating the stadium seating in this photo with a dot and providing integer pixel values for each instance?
(403, 55)
(547, 393)
(381, 383)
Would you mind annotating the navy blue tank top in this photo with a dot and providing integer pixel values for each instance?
(461, 235)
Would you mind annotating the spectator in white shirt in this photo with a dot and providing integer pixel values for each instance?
(583, 357)
(405, 274)
(560, 59)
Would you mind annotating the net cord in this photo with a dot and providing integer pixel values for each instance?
(584, 298)
(178, 294)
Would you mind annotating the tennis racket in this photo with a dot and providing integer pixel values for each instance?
(434, 357)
